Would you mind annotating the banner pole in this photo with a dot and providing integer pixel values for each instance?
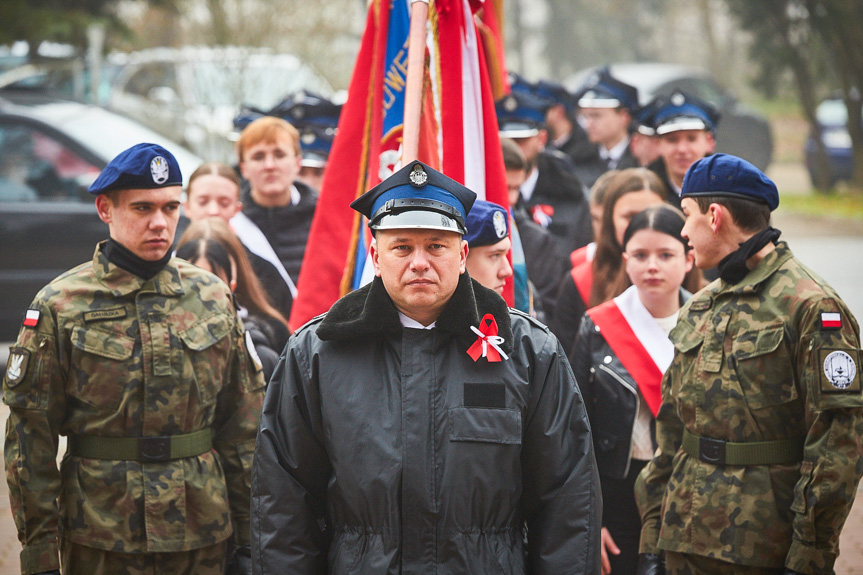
(414, 81)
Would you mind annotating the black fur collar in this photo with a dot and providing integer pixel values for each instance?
(369, 311)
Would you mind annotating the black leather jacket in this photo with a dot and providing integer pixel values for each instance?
(611, 396)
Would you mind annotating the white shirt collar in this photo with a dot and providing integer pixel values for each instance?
(615, 153)
(529, 184)
(295, 195)
(412, 323)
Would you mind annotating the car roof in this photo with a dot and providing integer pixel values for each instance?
(79, 121)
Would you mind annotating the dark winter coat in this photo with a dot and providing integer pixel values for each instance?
(558, 188)
(285, 227)
(386, 449)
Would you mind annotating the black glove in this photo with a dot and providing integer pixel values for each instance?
(241, 561)
(650, 564)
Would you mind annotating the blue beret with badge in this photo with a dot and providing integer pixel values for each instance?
(417, 196)
(681, 111)
(602, 90)
(729, 176)
(487, 223)
(141, 167)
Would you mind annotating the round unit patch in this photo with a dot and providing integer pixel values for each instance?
(159, 169)
(840, 369)
(499, 221)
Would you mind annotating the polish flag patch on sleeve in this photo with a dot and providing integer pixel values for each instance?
(831, 320)
(31, 318)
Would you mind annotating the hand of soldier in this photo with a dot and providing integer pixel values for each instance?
(608, 546)
(650, 564)
(241, 561)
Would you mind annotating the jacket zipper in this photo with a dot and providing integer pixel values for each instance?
(634, 391)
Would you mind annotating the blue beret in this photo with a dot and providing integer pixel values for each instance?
(602, 90)
(681, 111)
(726, 175)
(417, 196)
(487, 224)
(141, 167)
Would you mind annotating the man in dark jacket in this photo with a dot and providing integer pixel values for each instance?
(552, 194)
(277, 206)
(421, 426)
(607, 107)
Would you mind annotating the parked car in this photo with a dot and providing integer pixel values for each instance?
(832, 117)
(50, 152)
(193, 94)
(741, 131)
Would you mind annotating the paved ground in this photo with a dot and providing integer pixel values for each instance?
(830, 247)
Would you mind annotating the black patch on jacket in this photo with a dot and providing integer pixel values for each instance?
(369, 312)
(491, 395)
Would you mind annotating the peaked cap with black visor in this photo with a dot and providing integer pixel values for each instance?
(417, 196)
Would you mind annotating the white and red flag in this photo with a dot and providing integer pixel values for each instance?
(458, 135)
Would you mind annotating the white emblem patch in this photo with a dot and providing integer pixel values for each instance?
(14, 369)
(253, 353)
(840, 369)
(678, 99)
(499, 221)
(159, 169)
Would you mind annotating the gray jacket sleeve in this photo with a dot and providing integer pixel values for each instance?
(562, 497)
(290, 474)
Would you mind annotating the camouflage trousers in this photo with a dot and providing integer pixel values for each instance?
(688, 564)
(81, 560)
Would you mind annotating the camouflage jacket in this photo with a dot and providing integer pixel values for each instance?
(105, 353)
(753, 363)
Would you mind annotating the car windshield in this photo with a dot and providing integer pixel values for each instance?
(256, 83)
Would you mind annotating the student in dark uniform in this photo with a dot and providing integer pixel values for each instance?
(686, 128)
(544, 261)
(552, 194)
(607, 107)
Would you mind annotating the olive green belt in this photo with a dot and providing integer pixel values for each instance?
(718, 452)
(142, 449)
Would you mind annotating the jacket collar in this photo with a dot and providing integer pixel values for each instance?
(760, 273)
(167, 282)
(369, 312)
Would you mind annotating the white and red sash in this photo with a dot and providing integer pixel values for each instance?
(582, 276)
(637, 340)
(257, 243)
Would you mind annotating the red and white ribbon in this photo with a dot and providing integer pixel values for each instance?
(488, 341)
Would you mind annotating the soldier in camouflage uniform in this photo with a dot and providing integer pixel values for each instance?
(139, 360)
(761, 425)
